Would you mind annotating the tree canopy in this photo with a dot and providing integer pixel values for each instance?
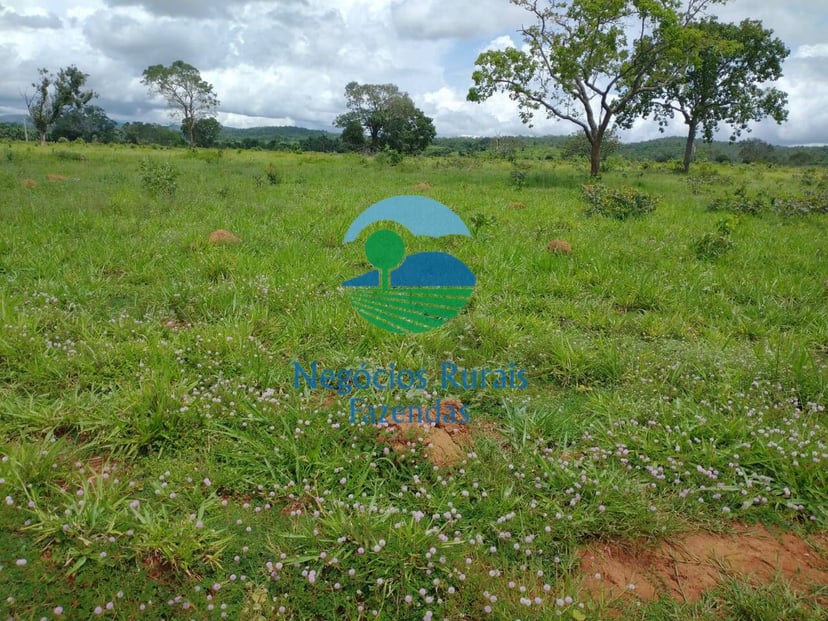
(89, 123)
(588, 60)
(150, 133)
(205, 131)
(723, 83)
(181, 85)
(389, 117)
(54, 95)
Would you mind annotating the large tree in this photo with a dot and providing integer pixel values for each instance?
(205, 131)
(90, 123)
(585, 61)
(388, 116)
(54, 95)
(151, 133)
(181, 85)
(724, 83)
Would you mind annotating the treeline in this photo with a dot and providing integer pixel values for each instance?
(95, 127)
(91, 124)
(669, 149)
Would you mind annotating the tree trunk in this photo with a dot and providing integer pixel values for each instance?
(191, 134)
(688, 147)
(595, 156)
(42, 135)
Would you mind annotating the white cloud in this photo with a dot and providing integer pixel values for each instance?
(289, 61)
(38, 19)
(499, 43)
(438, 19)
(820, 50)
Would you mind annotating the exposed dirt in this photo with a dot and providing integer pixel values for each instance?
(516, 205)
(446, 443)
(222, 236)
(687, 566)
(559, 246)
(158, 568)
(54, 177)
(422, 186)
(30, 183)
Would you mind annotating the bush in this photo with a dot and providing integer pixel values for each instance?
(619, 203)
(739, 202)
(273, 176)
(518, 174)
(810, 202)
(159, 177)
(714, 245)
(388, 156)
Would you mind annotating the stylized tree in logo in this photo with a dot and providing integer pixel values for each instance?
(430, 288)
(385, 250)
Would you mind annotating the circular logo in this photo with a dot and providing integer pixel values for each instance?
(413, 293)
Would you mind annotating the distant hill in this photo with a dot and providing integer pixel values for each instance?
(13, 118)
(286, 133)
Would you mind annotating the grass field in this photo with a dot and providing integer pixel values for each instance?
(158, 461)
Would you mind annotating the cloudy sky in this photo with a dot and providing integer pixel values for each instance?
(287, 62)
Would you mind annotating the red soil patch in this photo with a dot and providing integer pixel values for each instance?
(446, 443)
(30, 183)
(560, 246)
(54, 177)
(685, 567)
(158, 568)
(221, 236)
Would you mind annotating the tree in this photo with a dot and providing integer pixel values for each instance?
(191, 97)
(89, 123)
(54, 95)
(755, 150)
(577, 146)
(11, 131)
(588, 60)
(150, 133)
(722, 83)
(353, 137)
(389, 117)
(205, 131)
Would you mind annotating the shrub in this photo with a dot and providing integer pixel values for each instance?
(518, 174)
(703, 177)
(810, 202)
(714, 245)
(479, 221)
(619, 203)
(159, 177)
(273, 176)
(388, 156)
(739, 202)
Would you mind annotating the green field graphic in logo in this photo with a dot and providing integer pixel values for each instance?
(414, 293)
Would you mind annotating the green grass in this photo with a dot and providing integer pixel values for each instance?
(156, 455)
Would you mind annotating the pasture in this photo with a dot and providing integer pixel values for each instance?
(157, 460)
